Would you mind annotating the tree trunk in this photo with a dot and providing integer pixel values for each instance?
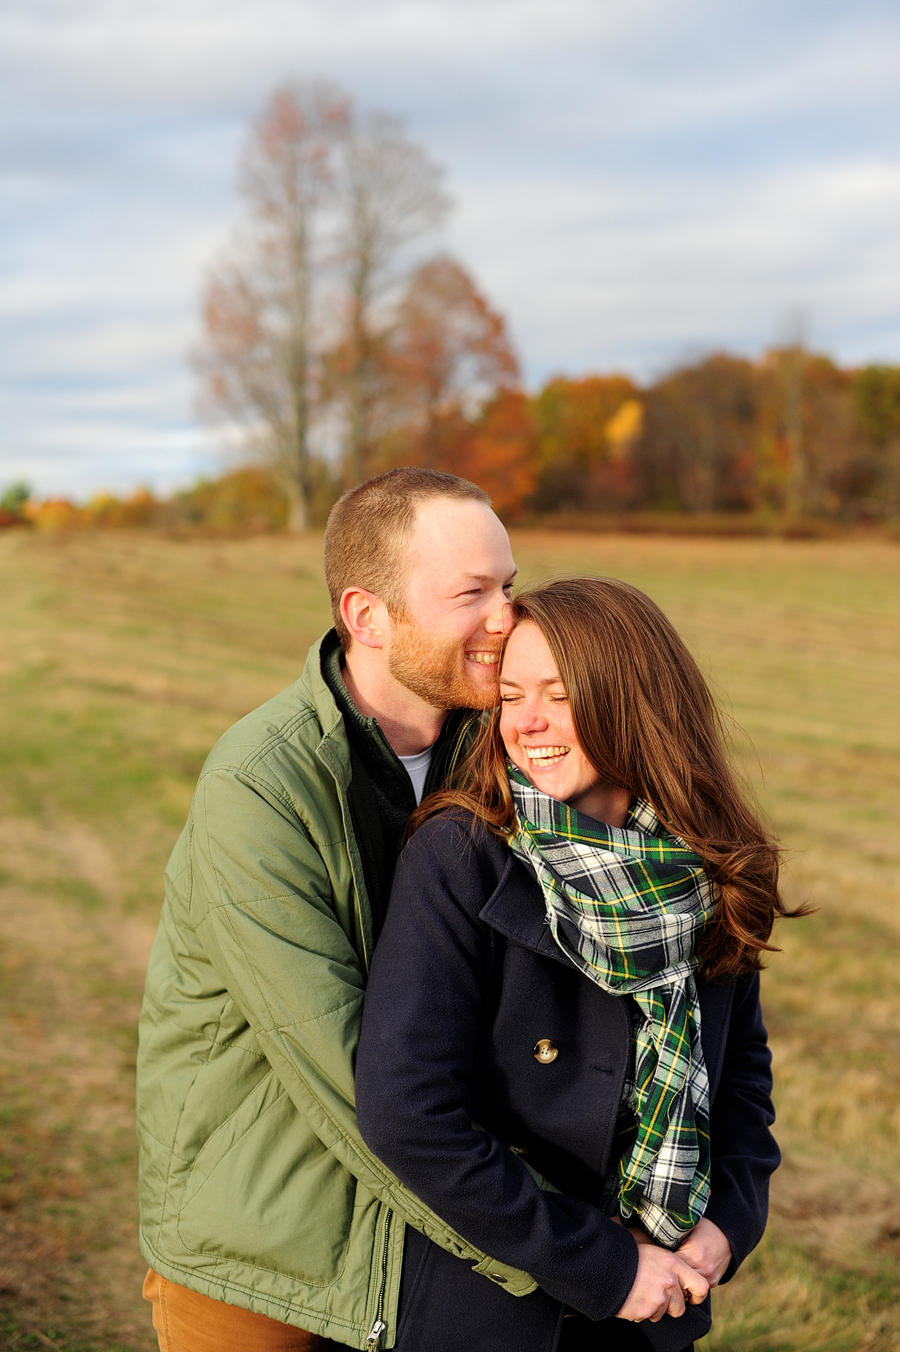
(793, 426)
(298, 510)
(357, 457)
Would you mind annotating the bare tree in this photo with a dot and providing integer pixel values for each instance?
(259, 357)
(301, 309)
(390, 195)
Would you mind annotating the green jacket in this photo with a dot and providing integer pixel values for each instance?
(256, 1187)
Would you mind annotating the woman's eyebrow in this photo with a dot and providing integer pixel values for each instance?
(548, 680)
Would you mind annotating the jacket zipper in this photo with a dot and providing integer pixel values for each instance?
(379, 1327)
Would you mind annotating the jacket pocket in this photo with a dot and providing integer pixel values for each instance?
(263, 1190)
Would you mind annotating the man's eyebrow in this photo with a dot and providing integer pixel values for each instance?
(485, 577)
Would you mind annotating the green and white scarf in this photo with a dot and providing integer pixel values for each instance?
(628, 908)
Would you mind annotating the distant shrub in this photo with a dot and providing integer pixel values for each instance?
(14, 497)
(245, 499)
(55, 514)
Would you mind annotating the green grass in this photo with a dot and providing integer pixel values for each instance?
(124, 657)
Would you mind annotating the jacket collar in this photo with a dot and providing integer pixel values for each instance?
(515, 909)
(319, 696)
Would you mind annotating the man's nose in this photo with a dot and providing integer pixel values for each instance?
(500, 620)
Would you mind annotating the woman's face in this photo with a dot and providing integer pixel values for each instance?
(538, 733)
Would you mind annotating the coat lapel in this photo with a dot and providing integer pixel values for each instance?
(515, 909)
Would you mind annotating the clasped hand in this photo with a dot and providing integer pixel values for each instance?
(666, 1282)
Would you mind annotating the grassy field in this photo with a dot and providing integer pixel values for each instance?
(124, 656)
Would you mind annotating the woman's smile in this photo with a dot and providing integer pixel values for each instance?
(543, 756)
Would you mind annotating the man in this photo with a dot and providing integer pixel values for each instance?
(265, 1220)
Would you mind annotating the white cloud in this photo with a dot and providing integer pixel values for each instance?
(636, 270)
(636, 179)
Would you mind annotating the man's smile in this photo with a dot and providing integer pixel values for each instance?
(484, 658)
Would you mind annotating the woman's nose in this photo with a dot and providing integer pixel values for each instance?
(531, 719)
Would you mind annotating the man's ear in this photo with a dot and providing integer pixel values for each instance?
(365, 616)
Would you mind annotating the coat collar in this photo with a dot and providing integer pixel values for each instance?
(515, 909)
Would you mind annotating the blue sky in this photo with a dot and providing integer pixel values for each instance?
(635, 183)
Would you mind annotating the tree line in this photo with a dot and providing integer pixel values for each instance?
(791, 435)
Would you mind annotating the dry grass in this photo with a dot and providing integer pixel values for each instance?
(125, 656)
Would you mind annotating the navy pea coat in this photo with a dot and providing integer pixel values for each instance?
(465, 982)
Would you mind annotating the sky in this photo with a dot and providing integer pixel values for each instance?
(636, 183)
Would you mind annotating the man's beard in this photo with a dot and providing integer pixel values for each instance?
(435, 670)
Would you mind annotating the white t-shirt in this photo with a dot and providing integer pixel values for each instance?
(417, 769)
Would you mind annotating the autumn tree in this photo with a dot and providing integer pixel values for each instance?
(574, 448)
(259, 357)
(390, 195)
(497, 450)
(295, 319)
(697, 451)
(876, 396)
(817, 452)
(447, 355)
(876, 401)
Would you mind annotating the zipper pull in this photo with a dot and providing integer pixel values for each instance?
(375, 1333)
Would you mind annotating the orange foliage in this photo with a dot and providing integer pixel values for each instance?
(245, 499)
(586, 429)
(448, 354)
(498, 452)
(141, 509)
(55, 514)
(455, 400)
(573, 416)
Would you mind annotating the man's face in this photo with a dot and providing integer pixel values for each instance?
(447, 648)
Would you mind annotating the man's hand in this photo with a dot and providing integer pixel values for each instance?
(707, 1250)
(662, 1283)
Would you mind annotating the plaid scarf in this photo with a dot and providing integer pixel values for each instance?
(628, 907)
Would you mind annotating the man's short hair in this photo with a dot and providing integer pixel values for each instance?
(369, 528)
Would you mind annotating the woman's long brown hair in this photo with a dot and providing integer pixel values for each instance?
(647, 722)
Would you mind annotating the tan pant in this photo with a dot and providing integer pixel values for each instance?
(185, 1321)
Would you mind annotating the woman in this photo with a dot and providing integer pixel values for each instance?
(562, 1048)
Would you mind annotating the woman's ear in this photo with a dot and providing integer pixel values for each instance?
(365, 616)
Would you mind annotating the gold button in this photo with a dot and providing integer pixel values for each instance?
(498, 1277)
(545, 1051)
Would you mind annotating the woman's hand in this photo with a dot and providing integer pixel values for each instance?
(707, 1250)
(662, 1283)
